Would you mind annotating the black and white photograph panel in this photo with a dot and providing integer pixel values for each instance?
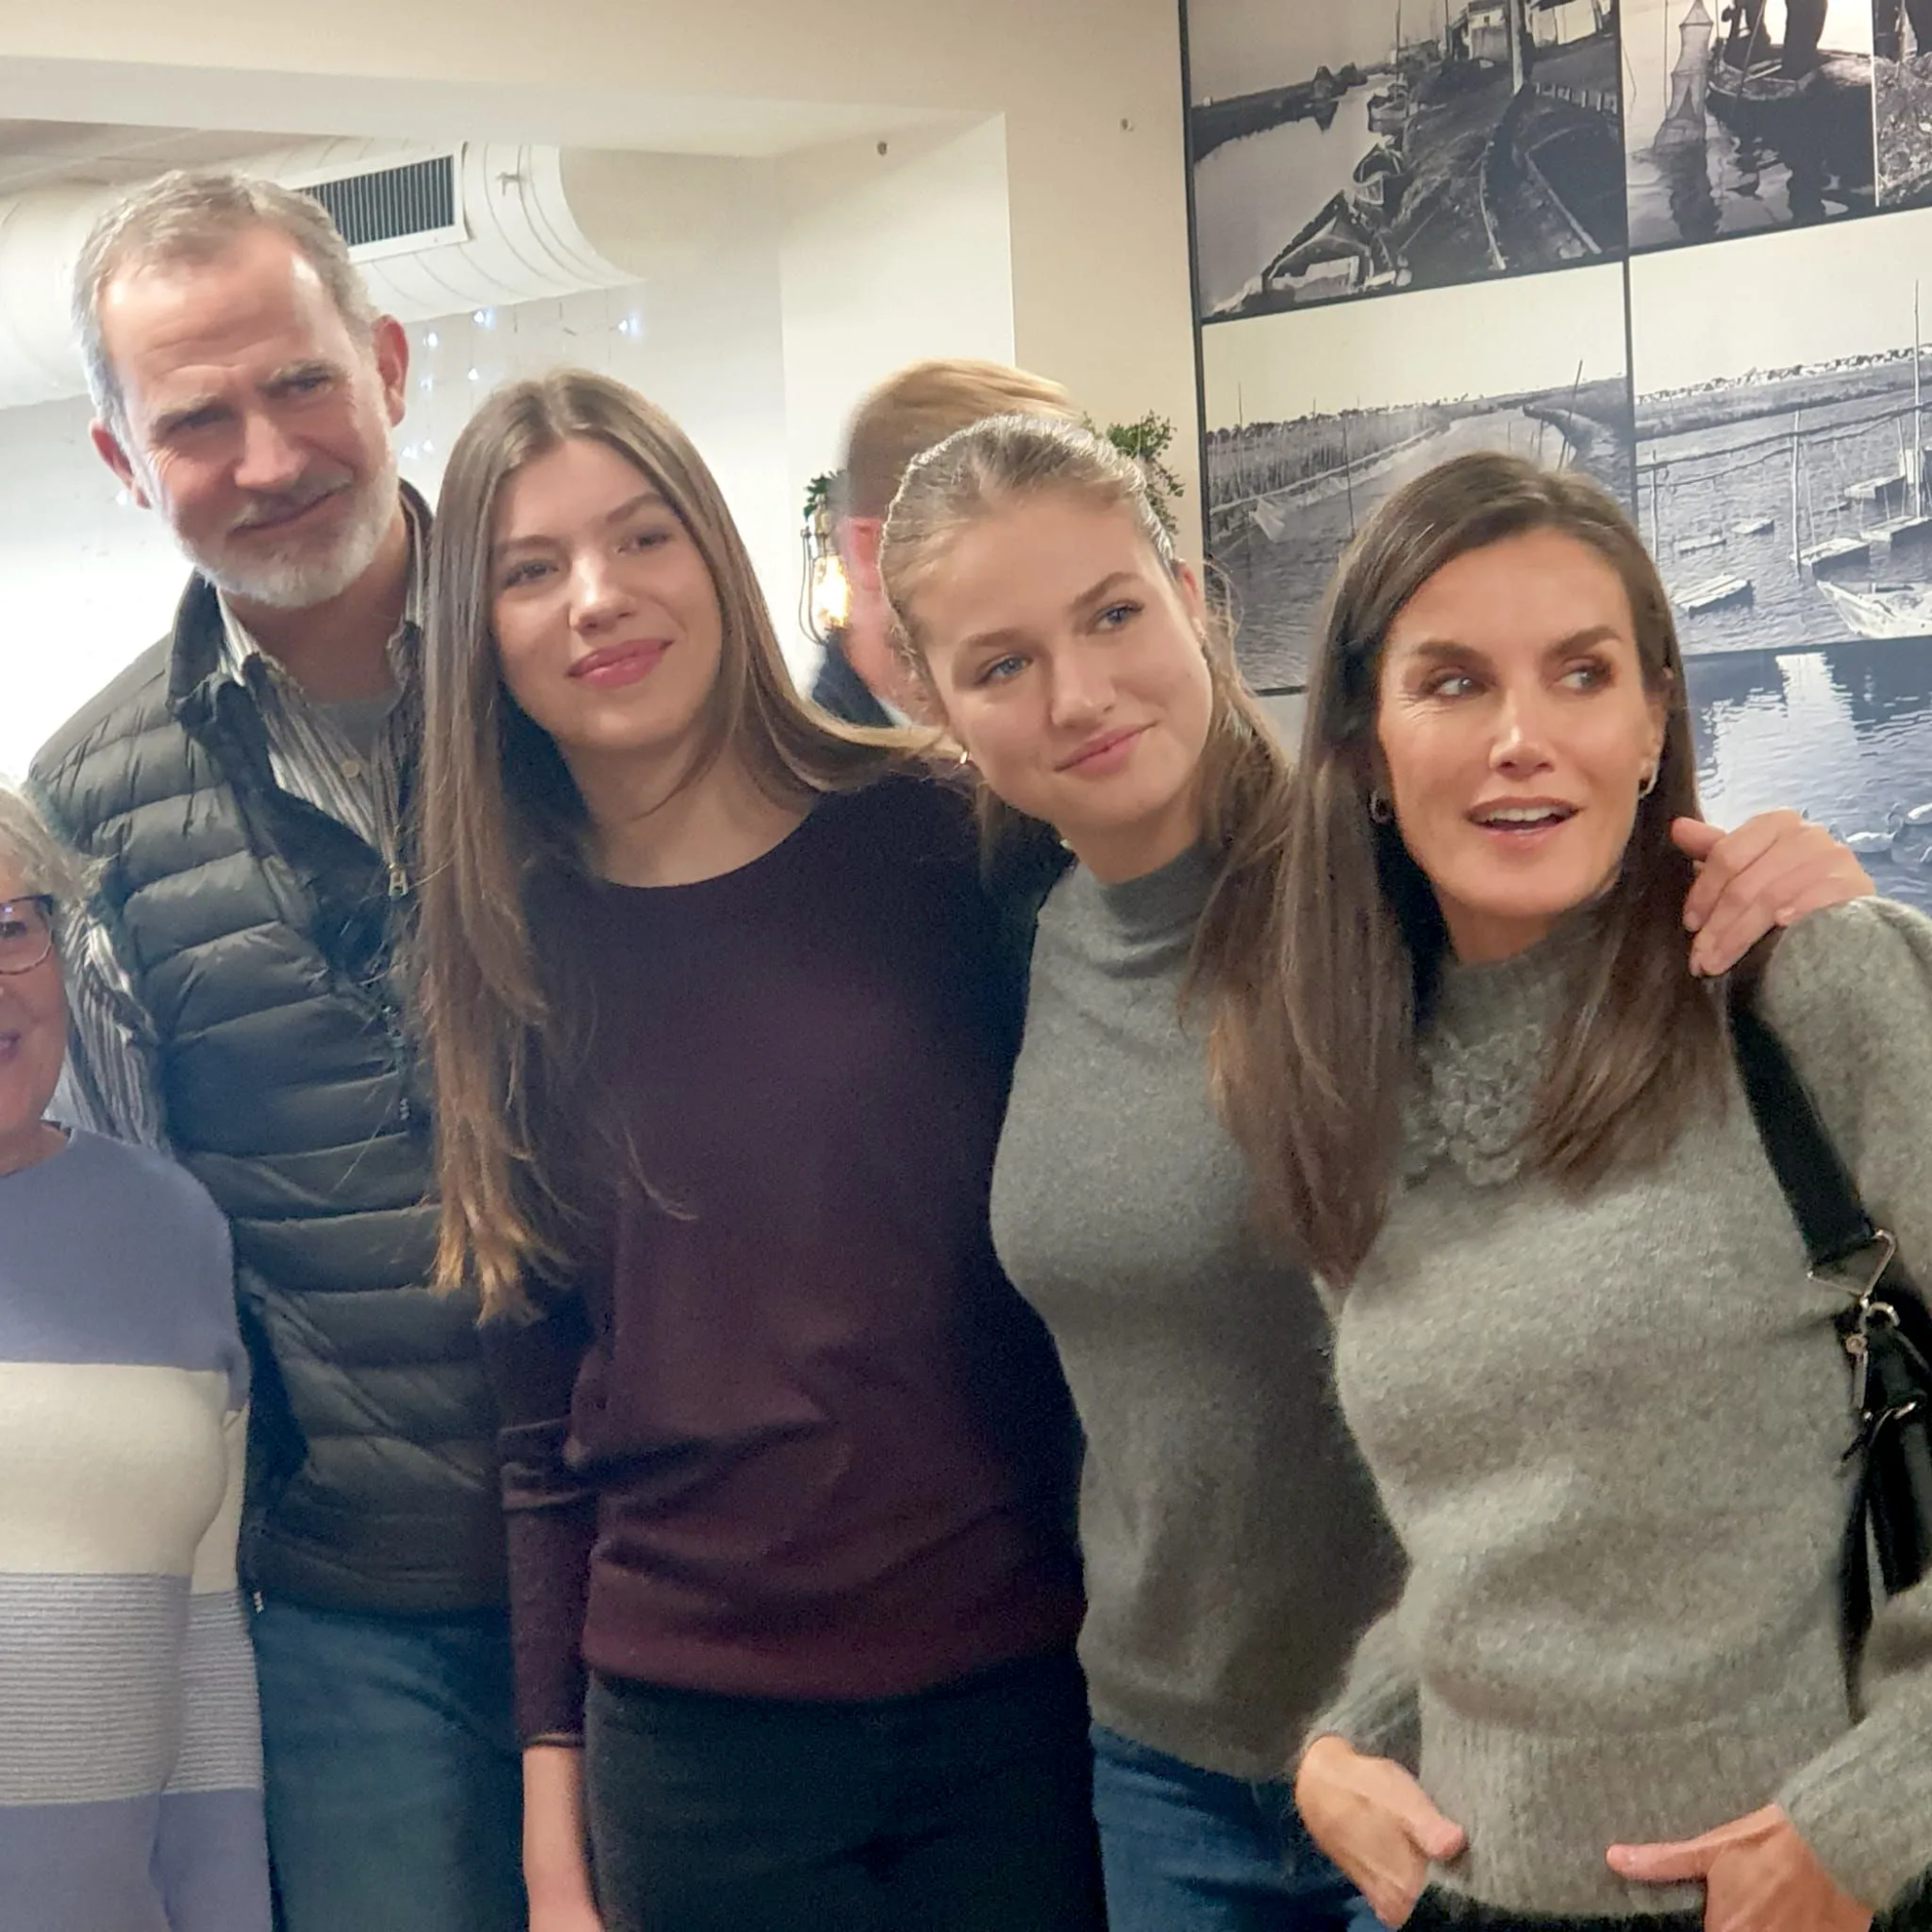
(1314, 418)
(1782, 390)
(1902, 89)
(1781, 408)
(1747, 116)
(1351, 146)
(1844, 734)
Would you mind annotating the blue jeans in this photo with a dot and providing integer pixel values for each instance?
(393, 1774)
(1187, 1850)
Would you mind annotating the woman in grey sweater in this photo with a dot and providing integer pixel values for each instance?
(1233, 1549)
(1606, 1405)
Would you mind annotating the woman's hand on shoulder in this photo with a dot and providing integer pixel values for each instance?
(1771, 870)
(1374, 1821)
(1758, 1874)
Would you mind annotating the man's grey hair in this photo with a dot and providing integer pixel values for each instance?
(193, 214)
(43, 863)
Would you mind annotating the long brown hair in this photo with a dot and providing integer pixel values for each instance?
(1245, 774)
(1316, 1044)
(500, 821)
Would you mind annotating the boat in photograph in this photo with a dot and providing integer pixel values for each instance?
(1849, 547)
(1765, 91)
(1388, 113)
(1897, 610)
(1342, 250)
(1712, 594)
(1488, 142)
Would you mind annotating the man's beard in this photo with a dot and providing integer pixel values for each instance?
(308, 574)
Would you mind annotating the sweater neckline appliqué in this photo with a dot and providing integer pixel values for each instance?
(1480, 1059)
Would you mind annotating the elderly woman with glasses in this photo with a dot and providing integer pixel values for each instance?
(130, 1756)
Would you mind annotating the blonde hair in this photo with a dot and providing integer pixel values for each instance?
(922, 404)
(501, 821)
(1005, 464)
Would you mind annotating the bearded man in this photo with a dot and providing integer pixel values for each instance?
(241, 789)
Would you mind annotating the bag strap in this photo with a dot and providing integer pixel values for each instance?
(1823, 1196)
(1832, 1222)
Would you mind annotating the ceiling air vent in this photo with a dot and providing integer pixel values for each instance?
(386, 208)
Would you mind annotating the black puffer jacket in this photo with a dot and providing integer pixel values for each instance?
(258, 932)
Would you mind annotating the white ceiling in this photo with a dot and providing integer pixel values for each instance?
(66, 109)
(40, 154)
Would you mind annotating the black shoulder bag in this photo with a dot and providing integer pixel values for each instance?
(1885, 1327)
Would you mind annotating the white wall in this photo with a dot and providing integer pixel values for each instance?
(87, 579)
(885, 259)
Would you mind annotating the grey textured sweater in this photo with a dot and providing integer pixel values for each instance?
(1233, 1550)
(1609, 1431)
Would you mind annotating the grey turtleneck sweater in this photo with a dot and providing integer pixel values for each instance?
(1611, 1433)
(1233, 1550)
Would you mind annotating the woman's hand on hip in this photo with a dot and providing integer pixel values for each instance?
(556, 1849)
(1759, 1875)
(570, 1915)
(1375, 1822)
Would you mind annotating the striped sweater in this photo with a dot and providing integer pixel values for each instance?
(131, 1789)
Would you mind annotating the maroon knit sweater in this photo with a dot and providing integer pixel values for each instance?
(793, 1434)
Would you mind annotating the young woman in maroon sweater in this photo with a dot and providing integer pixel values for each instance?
(721, 1029)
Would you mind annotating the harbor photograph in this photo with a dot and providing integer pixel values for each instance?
(1746, 115)
(1782, 417)
(1842, 732)
(1354, 147)
(1312, 418)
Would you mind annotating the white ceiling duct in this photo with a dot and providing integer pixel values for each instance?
(41, 236)
(436, 231)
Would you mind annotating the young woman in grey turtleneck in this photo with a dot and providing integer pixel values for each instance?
(1232, 1549)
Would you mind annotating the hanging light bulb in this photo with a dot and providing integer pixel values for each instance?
(831, 595)
(826, 600)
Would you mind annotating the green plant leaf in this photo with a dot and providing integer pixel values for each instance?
(818, 494)
(1147, 440)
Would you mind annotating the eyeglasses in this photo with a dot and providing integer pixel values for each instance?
(26, 932)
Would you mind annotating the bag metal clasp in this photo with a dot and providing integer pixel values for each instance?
(1885, 1246)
